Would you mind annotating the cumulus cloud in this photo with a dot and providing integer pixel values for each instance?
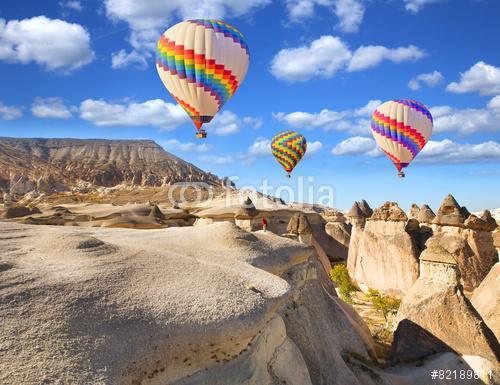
(372, 55)
(215, 159)
(228, 123)
(74, 5)
(481, 77)
(357, 145)
(354, 121)
(468, 120)
(10, 112)
(313, 148)
(444, 151)
(50, 108)
(349, 12)
(147, 18)
(431, 79)
(325, 56)
(415, 6)
(176, 145)
(123, 59)
(261, 147)
(154, 112)
(494, 103)
(52, 43)
(448, 151)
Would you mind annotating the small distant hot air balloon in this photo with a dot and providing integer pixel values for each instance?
(401, 129)
(202, 63)
(288, 148)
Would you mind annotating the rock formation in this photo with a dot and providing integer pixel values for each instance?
(425, 214)
(486, 299)
(450, 213)
(384, 251)
(338, 228)
(414, 211)
(19, 211)
(176, 306)
(468, 239)
(435, 316)
(52, 165)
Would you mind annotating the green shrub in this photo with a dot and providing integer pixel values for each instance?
(340, 276)
(383, 303)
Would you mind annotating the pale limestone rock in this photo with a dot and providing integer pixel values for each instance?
(207, 306)
(383, 253)
(435, 316)
(425, 214)
(473, 251)
(486, 299)
(450, 213)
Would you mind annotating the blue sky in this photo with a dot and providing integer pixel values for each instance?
(85, 69)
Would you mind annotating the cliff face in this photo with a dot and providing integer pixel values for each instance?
(385, 253)
(384, 248)
(23, 161)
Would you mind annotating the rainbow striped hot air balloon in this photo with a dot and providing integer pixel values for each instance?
(288, 148)
(401, 129)
(202, 63)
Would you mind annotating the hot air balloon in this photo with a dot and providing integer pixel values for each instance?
(401, 129)
(202, 63)
(288, 148)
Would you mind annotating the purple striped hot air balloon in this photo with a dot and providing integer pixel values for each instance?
(401, 129)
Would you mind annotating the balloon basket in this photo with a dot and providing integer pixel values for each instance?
(202, 134)
(401, 174)
(288, 175)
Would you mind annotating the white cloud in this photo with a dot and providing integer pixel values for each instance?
(255, 123)
(154, 112)
(494, 103)
(217, 159)
(123, 59)
(325, 56)
(228, 123)
(10, 112)
(50, 108)
(175, 145)
(368, 109)
(313, 148)
(354, 121)
(148, 18)
(444, 151)
(53, 43)
(372, 55)
(357, 145)
(466, 121)
(261, 147)
(74, 5)
(416, 5)
(431, 79)
(305, 120)
(349, 12)
(481, 77)
(448, 151)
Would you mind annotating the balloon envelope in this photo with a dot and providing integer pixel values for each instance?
(288, 147)
(202, 63)
(401, 128)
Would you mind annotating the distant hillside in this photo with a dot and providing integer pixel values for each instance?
(100, 162)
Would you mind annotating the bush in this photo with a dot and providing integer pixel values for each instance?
(340, 276)
(383, 303)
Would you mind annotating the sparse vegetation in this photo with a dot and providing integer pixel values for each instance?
(385, 304)
(340, 276)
